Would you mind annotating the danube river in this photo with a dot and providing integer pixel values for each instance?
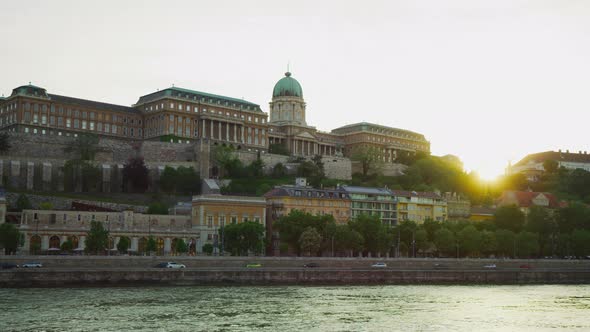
(297, 308)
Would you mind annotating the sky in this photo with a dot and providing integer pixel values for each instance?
(487, 81)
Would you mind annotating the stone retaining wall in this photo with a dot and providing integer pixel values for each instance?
(64, 203)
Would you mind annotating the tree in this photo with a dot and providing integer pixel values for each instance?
(157, 208)
(123, 244)
(23, 203)
(509, 217)
(97, 238)
(469, 240)
(84, 147)
(310, 241)
(421, 239)
(347, 239)
(574, 216)
(444, 240)
(550, 166)
(505, 241)
(225, 158)
(368, 157)
(67, 245)
(187, 181)
(4, 142)
(540, 220)
(168, 180)
(279, 170)
(46, 206)
(527, 244)
(256, 168)
(208, 248)
(181, 246)
(9, 238)
(136, 174)
(151, 245)
(377, 237)
(488, 245)
(580, 240)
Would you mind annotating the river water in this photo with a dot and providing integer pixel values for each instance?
(298, 308)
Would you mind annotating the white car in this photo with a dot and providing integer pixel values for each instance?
(379, 264)
(174, 265)
(489, 266)
(32, 264)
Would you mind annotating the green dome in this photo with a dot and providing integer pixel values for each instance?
(287, 86)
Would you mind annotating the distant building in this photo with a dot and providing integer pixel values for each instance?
(420, 206)
(525, 199)
(457, 206)
(373, 202)
(481, 213)
(284, 199)
(211, 212)
(532, 164)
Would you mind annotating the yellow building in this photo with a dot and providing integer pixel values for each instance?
(284, 199)
(480, 213)
(210, 212)
(420, 206)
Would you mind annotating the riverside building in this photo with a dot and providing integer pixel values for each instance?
(183, 116)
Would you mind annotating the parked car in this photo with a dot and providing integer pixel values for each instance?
(32, 264)
(525, 266)
(250, 265)
(489, 266)
(379, 265)
(311, 265)
(171, 265)
(8, 265)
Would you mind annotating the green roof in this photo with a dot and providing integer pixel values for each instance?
(198, 96)
(287, 86)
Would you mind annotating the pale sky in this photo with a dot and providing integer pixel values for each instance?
(488, 81)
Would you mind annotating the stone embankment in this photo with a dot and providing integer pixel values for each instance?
(121, 270)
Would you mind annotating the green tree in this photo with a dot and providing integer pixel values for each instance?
(421, 239)
(469, 240)
(187, 181)
(136, 174)
(541, 221)
(68, 245)
(509, 217)
(181, 246)
(505, 242)
(527, 244)
(574, 216)
(23, 203)
(279, 170)
(310, 241)
(256, 168)
(9, 238)
(151, 245)
(168, 180)
(123, 244)
(580, 243)
(377, 237)
(347, 240)
(488, 245)
(225, 158)
(157, 208)
(4, 142)
(46, 206)
(550, 166)
(96, 238)
(444, 240)
(368, 157)
(208, 249)
(84, 147)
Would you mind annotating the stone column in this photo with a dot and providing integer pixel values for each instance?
(219, 131)
(134, 243)
(46, 176)
(167, 246)
(116, 242)
(82, 242)
(45, 242)
(203, 132)
(212, 129)
(235, 133)
(242, 133)
(227, 132)
(30, 175)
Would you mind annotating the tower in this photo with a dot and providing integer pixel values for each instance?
(287, 106)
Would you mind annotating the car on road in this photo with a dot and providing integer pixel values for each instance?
(171, 265)
(311, 265)
(4, 266)
(525, 266)
(31, 265)
(379, 265)
(253, 265)
(489, 266)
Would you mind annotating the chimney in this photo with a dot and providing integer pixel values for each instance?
(559, 150)
(567, 151)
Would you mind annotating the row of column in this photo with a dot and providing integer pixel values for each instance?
(309, 148)
(233, 132)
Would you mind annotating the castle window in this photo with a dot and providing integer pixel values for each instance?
(68, 123)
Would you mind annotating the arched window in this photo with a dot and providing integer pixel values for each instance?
(35, 244)
(54, 242)
(75, 241)
(142, 245)
(160, 246)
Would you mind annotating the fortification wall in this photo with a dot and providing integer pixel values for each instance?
(64, 203)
